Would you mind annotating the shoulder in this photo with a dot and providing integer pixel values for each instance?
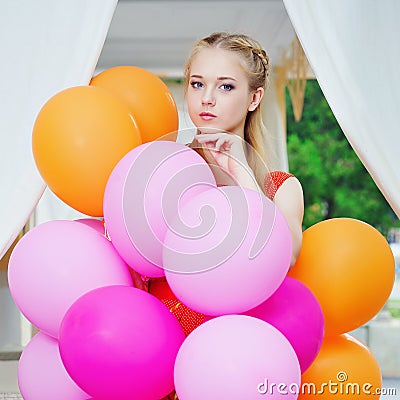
(289, 198)
(276, 179)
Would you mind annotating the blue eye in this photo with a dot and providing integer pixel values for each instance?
(227, 87)
(196, 85)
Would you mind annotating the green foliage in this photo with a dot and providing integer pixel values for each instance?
(394, 308)
(335, 182)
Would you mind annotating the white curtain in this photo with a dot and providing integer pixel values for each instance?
(276, 129)
(46, 46)
(353, 48)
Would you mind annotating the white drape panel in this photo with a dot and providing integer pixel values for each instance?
(276, 130)
(50, 207)
(352, 46)
(46, 46)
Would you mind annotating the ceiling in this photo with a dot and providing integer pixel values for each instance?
(158, 34)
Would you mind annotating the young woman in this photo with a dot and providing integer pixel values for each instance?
(226, 78)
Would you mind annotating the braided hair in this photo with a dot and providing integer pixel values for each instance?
(255, 62)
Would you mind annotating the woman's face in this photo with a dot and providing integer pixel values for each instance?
(218, 94)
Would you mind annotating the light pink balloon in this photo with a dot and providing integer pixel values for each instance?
(41, 373)
(143, 194)
(228, 251)
(57, 262)
(236, 357)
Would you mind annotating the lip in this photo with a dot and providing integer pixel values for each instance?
(207, 116)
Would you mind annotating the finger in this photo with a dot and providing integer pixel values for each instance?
(209, 136)
(215, 136)
(209, 152)
(210, 146)
(204, 139)
(220, 142)
(206, 142)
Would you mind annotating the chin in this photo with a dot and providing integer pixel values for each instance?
(211, 129)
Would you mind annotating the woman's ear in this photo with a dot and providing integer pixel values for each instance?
(256, 98)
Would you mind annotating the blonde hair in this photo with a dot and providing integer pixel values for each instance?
(255, 63)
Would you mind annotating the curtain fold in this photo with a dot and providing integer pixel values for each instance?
(47, 46)
(274, 115)
(353, 49)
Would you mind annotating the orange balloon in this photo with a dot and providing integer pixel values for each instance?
(349, 267)
(344, 369)
(149, 100)
(79, 136)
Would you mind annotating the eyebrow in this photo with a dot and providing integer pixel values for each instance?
(220, 78)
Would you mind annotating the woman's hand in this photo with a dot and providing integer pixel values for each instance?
(226, 150)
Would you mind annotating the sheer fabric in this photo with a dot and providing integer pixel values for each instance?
(48, 46)
(353, 49)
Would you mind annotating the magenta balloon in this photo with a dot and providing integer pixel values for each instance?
(57, 262)
(236, 357)
(41, 373)
(295, 312)
(142, 195)
(228, 252)
(96, 224)
(121, 343)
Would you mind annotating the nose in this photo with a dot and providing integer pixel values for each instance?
(208, 98)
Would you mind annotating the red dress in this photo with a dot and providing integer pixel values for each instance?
(159, 287)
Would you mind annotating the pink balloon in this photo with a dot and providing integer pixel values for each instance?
(235, 357)
(295, 312)
(41, 373)
(121, 343)
(57, 262)
(228, 252)
(96, 224)
(142, 195)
